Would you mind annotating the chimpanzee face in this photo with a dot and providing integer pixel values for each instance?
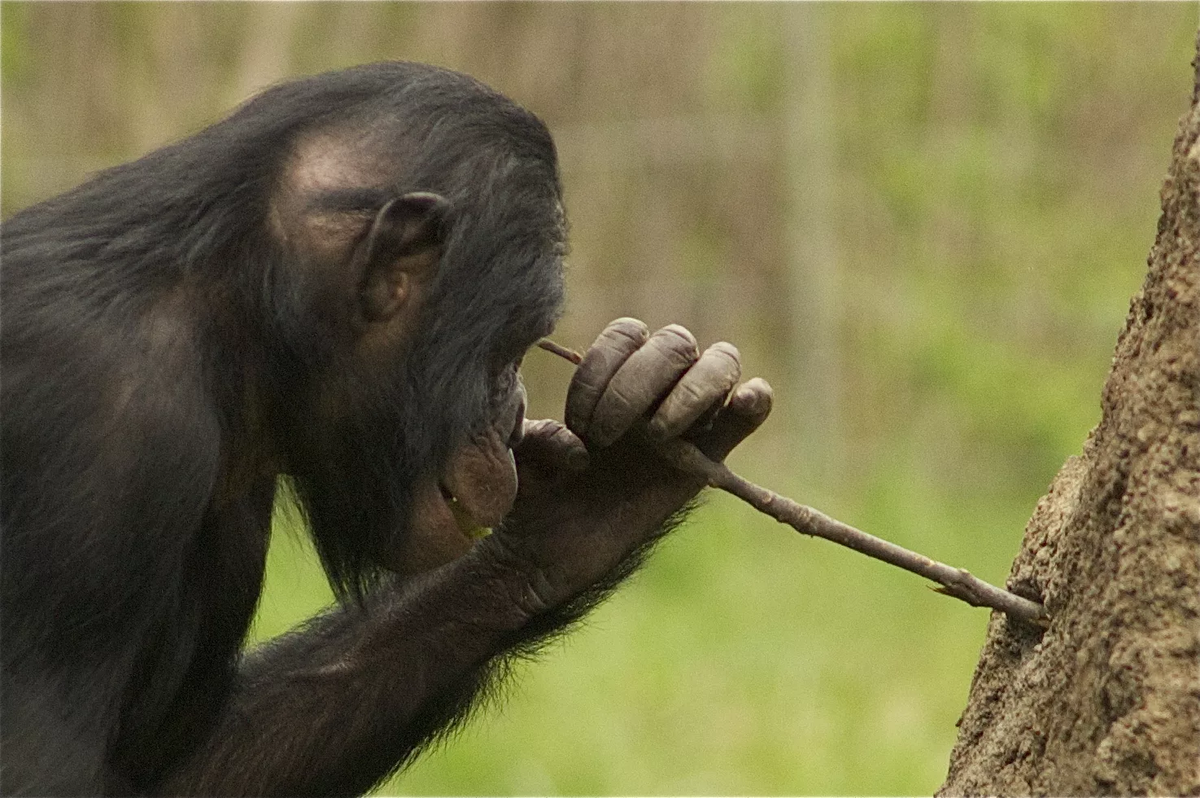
(426, 300)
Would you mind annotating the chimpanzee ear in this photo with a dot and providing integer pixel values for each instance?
(404, 244)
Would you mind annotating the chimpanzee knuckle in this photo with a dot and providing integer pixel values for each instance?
(535, 429)
(724, 349)
(551, 443)
(720, 366)
(641, 383)
(570, 451)
(582, 398)
(615, 414)
(677, 342)
(691, 391)
(540, 437)
(629, 327)
(705, 385)
(611, 349)
(612, 346)
(680, 410)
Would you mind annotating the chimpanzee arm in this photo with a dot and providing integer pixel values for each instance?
(336, 706)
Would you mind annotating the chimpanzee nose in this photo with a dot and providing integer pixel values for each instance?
(518, 430)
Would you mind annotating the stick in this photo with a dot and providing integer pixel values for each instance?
(561, 351)
(956, 582)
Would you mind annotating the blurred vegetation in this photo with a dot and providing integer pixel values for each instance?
(922, 223)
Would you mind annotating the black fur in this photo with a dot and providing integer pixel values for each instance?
(141, 313)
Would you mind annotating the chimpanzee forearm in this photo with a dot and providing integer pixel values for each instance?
(336, 706)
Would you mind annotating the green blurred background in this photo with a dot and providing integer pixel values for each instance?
(922, 223)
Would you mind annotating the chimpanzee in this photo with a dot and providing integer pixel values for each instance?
(336, 284)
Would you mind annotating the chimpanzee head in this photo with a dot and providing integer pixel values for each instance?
(415, 240)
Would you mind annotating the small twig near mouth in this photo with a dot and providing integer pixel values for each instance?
(956, 582)
(561, 351)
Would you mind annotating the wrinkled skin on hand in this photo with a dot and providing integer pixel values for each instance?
(593, 493)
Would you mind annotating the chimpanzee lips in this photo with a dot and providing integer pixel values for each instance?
(475, 492)
(479, 485)
(462, 516)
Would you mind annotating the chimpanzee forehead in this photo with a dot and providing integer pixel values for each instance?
(341, 170)
(327, 165)
(329, 185)
(335, 177)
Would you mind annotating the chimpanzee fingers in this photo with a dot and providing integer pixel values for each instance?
(706, 384)
(551, 446)
(746, 410)
(614, 345)
(641, 382)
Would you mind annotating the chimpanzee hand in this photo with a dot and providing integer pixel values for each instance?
(593, 493)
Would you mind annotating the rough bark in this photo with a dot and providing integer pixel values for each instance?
(1107, 699)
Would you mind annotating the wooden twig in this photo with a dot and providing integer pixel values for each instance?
(561, 351)
(956, 582)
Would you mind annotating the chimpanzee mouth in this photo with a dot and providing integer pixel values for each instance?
(462, 516)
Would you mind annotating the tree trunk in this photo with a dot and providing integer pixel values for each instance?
(1107, 699)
